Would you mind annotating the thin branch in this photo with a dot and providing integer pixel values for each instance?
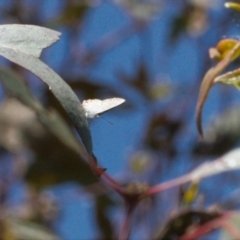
(126, 226)
(101, 172)
(113, 184)
(170, 184)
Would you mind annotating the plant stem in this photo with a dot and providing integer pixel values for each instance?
(100, 172)
(126, 226)
(113, 184)
(164, 186)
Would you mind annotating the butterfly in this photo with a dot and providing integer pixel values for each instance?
(94, 107)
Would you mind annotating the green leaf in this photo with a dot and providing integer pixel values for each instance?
(231, 78)
(18, 229)
(207, 83)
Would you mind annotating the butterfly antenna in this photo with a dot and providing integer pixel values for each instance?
(106, 120)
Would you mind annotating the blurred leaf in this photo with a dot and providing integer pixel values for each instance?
(141, 9)
(181, 222)
(103, 203)
(40, 207)
(202, 231)
(15, 87)
(15, 121)
(231, 78)
(59, 157)
(207, 83)
(16, 229)
(73, 12)
(179, 25)
(60, 89)
(55, 164)
(228, 162)
(161, 133)
(189, 195)
(53, 161)
(233, 230)
(233, 5)
(140, 82)
(198, 21)
(192, 20)
(221, 135)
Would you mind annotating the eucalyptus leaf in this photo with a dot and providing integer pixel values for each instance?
(231, 78)
(57, 85)
(28, 39)
(228, 162)
(64, 163)
(15, 87)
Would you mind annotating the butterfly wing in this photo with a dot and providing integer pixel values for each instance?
(94, 107)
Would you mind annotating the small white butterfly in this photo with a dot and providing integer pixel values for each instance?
(94, 107)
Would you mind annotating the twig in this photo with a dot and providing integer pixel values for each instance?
(126, 226)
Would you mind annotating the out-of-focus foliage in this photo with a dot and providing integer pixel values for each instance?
(18, 52)
(141, 10)
(181, 222)
(232, 5)
(229, 161)
(41, 137)
(45, 133)
(193, 21)
(208, 81)
(231, 78)
(161, 132)
(233, 221)
(221, 135)
(17, 229)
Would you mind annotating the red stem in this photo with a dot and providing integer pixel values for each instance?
(126, 226)
(221, 222)
(101, 172)
(170, 184)
(113, 184)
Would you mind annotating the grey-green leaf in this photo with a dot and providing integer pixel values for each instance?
(15, 87)
(228, 162)
(27, 39)
(58, 86)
